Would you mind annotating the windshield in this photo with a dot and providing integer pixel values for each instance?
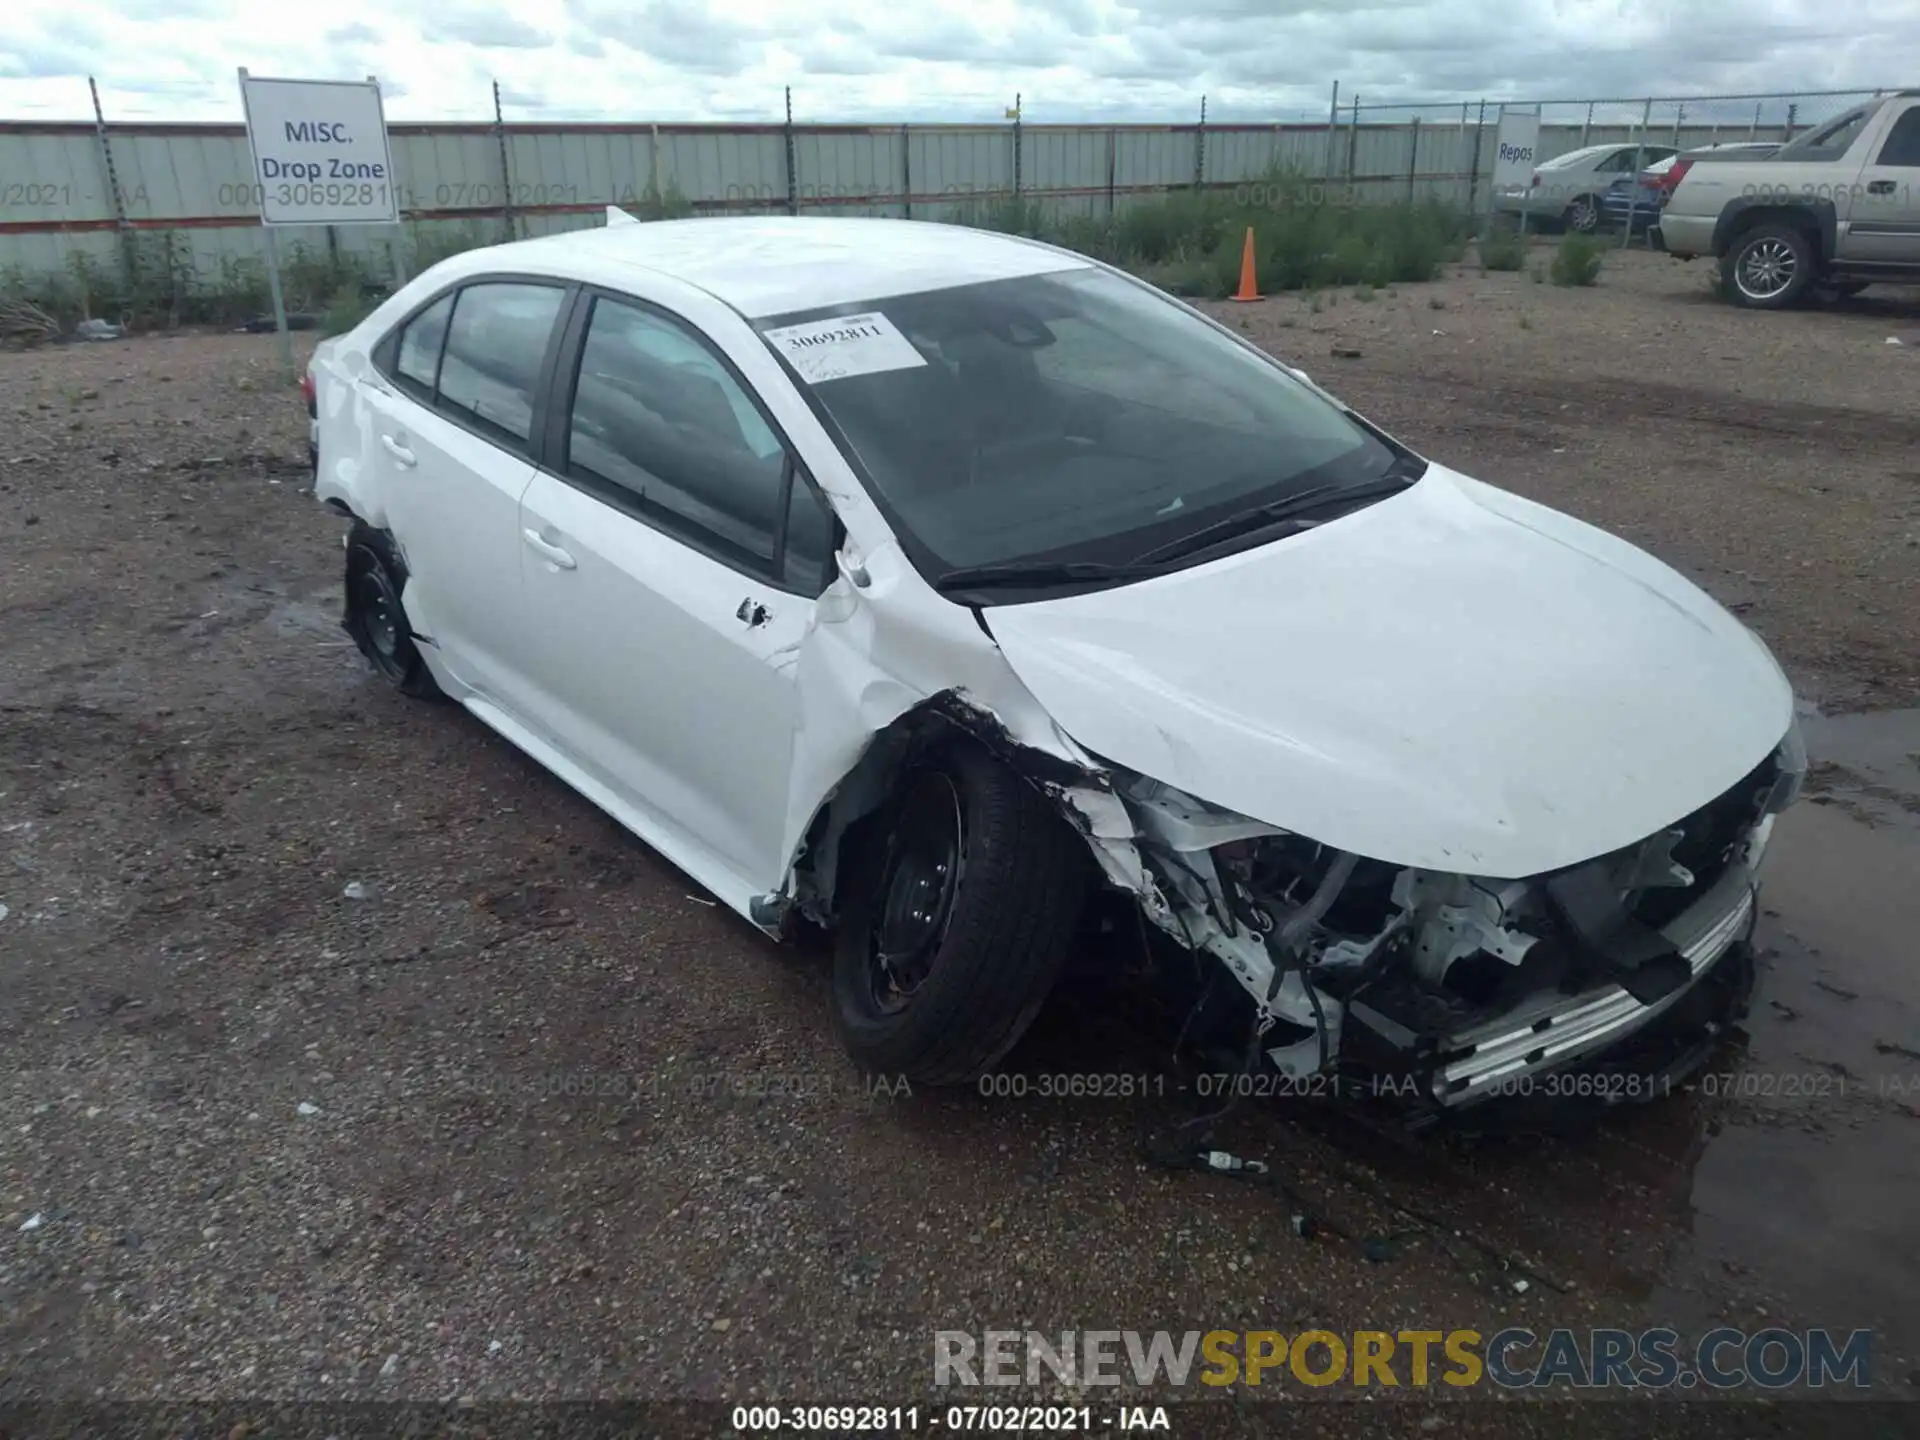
(1069, 417)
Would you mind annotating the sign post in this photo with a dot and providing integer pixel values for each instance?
(1516, 142)
(320, 157)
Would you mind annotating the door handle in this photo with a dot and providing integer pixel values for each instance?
(552, 552)
(1880, 187)
(399, 452)
(752, 613)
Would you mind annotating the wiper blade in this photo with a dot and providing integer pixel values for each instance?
(1300, 507)
(1039, 572)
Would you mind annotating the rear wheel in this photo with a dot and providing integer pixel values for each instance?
(377, 620)
(1768, 268)
(966, 894)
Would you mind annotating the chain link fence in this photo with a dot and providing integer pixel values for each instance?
(101, 203)
(1445, 149)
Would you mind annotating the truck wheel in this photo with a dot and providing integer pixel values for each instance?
(965, 897)
(1768, 268)
(375, 617)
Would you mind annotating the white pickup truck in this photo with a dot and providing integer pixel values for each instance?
(1834, 208)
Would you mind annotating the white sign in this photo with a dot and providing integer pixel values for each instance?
(1514, 148)
(320, 153)
(846, 345)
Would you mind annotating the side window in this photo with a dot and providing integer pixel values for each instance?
(661, 421)
(418, 358)
(806, 565)
(1903, 141)
(495, 344)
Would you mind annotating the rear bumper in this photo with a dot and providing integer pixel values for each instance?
(1686, 235)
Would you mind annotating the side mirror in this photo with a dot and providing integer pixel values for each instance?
(855, 572)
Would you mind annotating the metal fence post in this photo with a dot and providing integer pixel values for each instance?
(1353, 145)
(906, 170)
(1473, 168)
(129, 263)
(1333, 130)
(1633, 189)
(1753, 130)
(1586, 126)
(1113, 156)
(1200, 149)
(1016, 145)
(1413, 158)
(1679, 119)
(1793, 113)
(793, 180)
(506, 171)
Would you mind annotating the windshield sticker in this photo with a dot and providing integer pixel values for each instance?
(846, 345)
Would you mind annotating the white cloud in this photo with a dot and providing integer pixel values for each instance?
(935, 59)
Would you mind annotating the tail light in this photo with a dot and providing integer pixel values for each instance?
(312, 394)
(1676, 172)
(1536, 180)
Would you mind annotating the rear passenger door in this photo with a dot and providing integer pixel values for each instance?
(454, 412)
(1883, 218)
(672, 548)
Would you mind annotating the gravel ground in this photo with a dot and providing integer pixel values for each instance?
(348, 1055)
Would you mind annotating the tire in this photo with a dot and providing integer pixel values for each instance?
(970, 970)
(1768, 268)
(1582, 215)
(375, 579)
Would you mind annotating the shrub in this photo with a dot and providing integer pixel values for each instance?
(1576, 261)
(1502, 250)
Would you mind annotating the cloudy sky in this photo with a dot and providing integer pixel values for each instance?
(936, 59)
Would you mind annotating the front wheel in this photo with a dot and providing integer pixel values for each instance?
(966, 895)
(1768, 268)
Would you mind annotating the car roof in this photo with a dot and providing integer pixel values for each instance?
(766, 265)
(1584, 152)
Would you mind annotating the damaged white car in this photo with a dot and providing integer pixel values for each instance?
(933, 584)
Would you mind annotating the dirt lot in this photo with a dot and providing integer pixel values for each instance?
(532, 1118)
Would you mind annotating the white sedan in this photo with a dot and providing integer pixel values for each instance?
(950, 589)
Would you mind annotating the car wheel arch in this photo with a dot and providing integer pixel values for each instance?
(1742, 216)
(859, 800)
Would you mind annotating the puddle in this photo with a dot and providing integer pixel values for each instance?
(1807, 1192)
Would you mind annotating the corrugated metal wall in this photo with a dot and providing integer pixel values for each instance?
(189, 189)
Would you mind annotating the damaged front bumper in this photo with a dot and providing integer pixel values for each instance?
(1501, 1057)
(1447, 991)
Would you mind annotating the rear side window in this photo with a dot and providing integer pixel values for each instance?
(1903, 141)
(419, 355)
(494, 350)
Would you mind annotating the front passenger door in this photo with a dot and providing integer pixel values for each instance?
(671, 558)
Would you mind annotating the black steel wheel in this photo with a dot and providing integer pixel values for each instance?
(376, 618)
(963, 900)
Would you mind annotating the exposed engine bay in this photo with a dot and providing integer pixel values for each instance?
(1456, 987)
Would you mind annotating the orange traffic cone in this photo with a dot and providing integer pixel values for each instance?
(1249, 283)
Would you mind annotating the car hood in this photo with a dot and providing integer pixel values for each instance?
(1453, 678)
